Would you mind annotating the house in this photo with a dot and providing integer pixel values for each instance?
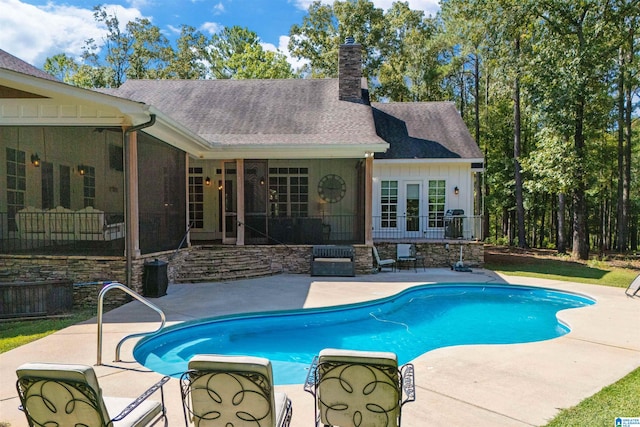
(156, 168)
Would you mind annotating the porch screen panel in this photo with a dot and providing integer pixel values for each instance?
(47, 185)
(65, 186)
(437, 200)
(162, 194)
(389, 204)
(255, 201)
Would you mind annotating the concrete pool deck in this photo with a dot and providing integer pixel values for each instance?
(480, 385)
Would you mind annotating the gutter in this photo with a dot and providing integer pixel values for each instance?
(130, 237)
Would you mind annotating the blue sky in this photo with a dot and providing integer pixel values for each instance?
(33, 30)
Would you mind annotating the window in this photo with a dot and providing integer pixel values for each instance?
(289, 192)
(437, 191)
(16, 184)
(89, 186)
(389, 204)
(196, 198)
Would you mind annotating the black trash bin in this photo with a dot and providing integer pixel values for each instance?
(154, 279)
(453, 220)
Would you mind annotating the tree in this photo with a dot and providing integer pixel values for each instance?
(236, 52)
(325, 27)
(188, 60)
(411, 70)
(150, 52)
(573, 59)
(61, 66)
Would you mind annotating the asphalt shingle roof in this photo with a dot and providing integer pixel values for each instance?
(423, 130)
(10, 62)
(287, 111)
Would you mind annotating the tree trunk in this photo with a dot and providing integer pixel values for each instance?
(621, 238)
(517, 135)
(561, 242)
(580, 239)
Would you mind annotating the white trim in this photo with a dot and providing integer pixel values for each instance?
(429, 160)
(297, 151)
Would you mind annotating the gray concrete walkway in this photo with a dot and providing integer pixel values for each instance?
(481, 385)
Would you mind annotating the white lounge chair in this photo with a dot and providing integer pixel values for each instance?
(55, 394)
(359, 388)
(232, 391)
(383, 263)
(634, 287)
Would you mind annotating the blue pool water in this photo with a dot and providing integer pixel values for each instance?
(409, 324)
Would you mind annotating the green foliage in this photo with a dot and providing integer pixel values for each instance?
(236, 52)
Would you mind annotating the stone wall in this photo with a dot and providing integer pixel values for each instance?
(90, 274)
(440, 254)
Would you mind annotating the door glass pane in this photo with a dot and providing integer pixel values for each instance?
(413, 207)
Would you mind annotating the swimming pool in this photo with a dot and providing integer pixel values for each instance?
(409, 324)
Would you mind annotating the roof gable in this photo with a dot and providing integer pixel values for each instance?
(419, 130)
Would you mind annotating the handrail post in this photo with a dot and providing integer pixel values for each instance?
(103, 291)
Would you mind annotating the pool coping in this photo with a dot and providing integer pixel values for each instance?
(480, 385)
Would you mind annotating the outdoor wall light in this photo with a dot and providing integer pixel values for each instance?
(35, 159)
(207, 181)
(456, 191)
(220, 185)
(81, 169)
(262, 180)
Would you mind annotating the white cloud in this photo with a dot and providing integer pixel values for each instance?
(211, 27)
(33, 33)
(173, 29)
(218, 9)
(283, 47)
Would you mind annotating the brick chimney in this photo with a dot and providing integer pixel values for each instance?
(350, 71)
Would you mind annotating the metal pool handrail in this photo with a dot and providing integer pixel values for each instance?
(135, 295)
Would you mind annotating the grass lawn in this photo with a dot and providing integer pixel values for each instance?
(14, 334)
(617, 400)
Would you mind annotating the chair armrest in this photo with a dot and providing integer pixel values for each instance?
(310, 382)
(133, 405)
(408, 383)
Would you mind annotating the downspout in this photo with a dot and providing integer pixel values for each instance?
(130, 238)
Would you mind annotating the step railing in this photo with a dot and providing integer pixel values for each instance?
(116, 285)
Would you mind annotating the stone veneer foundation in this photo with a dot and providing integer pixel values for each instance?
(89, 274)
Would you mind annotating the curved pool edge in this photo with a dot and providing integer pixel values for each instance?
(148, 346)
(296, 311)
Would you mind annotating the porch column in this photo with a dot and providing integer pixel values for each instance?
(368, 199)
(240, 199)
(188, 215)
(131, 202)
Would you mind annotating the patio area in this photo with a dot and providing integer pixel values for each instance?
(480, 385)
